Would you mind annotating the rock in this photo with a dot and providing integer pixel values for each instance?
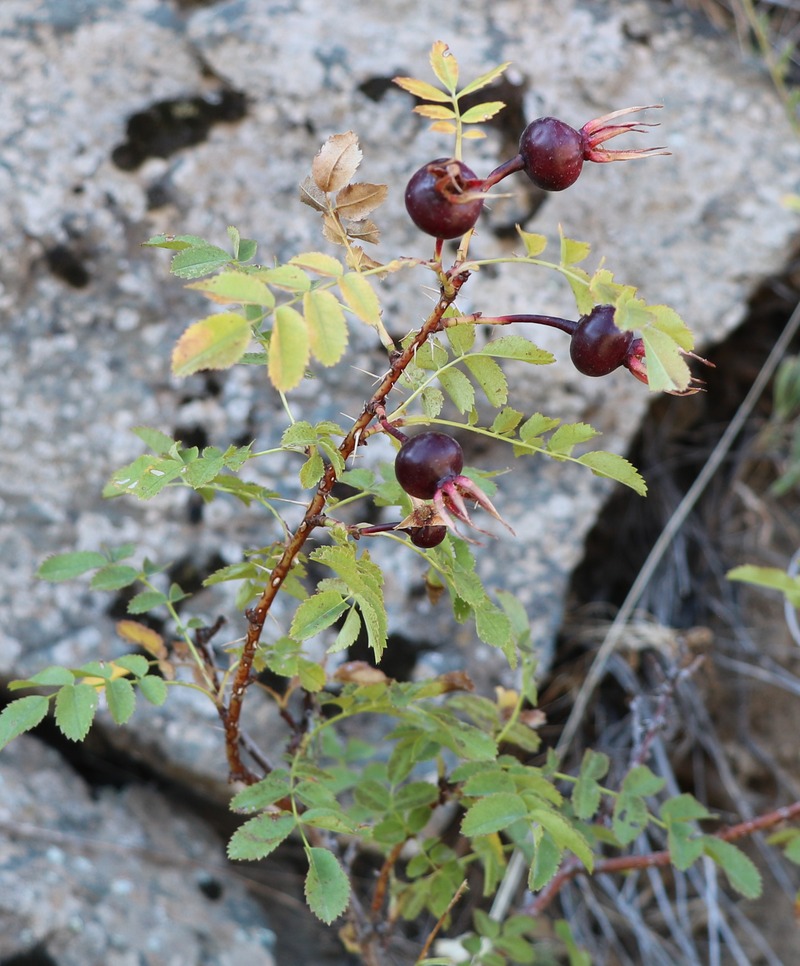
(115, 877)
(120, 121)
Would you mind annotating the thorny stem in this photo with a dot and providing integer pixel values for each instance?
(312, 518)
(627, 863)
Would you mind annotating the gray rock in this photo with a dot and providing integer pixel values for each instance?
(115, 878)
(91, 317)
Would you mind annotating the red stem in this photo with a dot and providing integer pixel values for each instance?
(626, 863)
(312, 518)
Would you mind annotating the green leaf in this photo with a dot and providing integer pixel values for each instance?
(154, 439)
(534, 244)
(327, 327)
(493, 626)
(21, 715)
(327, 888)
(742, 874)
(121, 699)
(535, 426)
(564, 834)
(114, 577)
(569, 435)
(573, 252)
(612, 466)
(299, 435)
(546, 860)
(630, 817)
(215, 342)
(146, 600)
(311, 674)
(520, 348)
(137, 664)
(460, 337)
(458, 388)
(348, 634)
(771, 577)
(360, 298)
(683, 808)
(684, 844)
(289, 348)
(153, 688)
(65, 566)
(493, 814)
(667, 370)
(253, 798)
(587, 792)
(490, 378)
(312, 470)
(261, 835)
(175, 242)
(52, 676)
(75, 708)
(506, 421)
(199, 260)
(641, 781)
(318, 612)
(240, 287)
(485, 79)
(481, 112)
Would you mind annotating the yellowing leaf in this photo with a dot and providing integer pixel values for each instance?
(235, 287)
(360, 298)
(311, 195)
(534, 244)
(336, 162)
(436, 112)
(142, 636)
(356, 201)
(445, 127)
(289, 348)
(421, 89)
(473, 134)
(318, 262)
(216, 342)
(327, 327)
(444, 65)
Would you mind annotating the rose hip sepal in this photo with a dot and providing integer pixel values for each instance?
(552, 153)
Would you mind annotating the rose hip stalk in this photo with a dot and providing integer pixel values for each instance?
(598, 346)
(552, 153)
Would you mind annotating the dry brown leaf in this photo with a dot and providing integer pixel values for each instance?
(356, 201)
(311, 195)
(359, 672)
(336, 161)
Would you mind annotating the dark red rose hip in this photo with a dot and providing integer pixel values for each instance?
(426, 461)
(441, 198)
(598, 347)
